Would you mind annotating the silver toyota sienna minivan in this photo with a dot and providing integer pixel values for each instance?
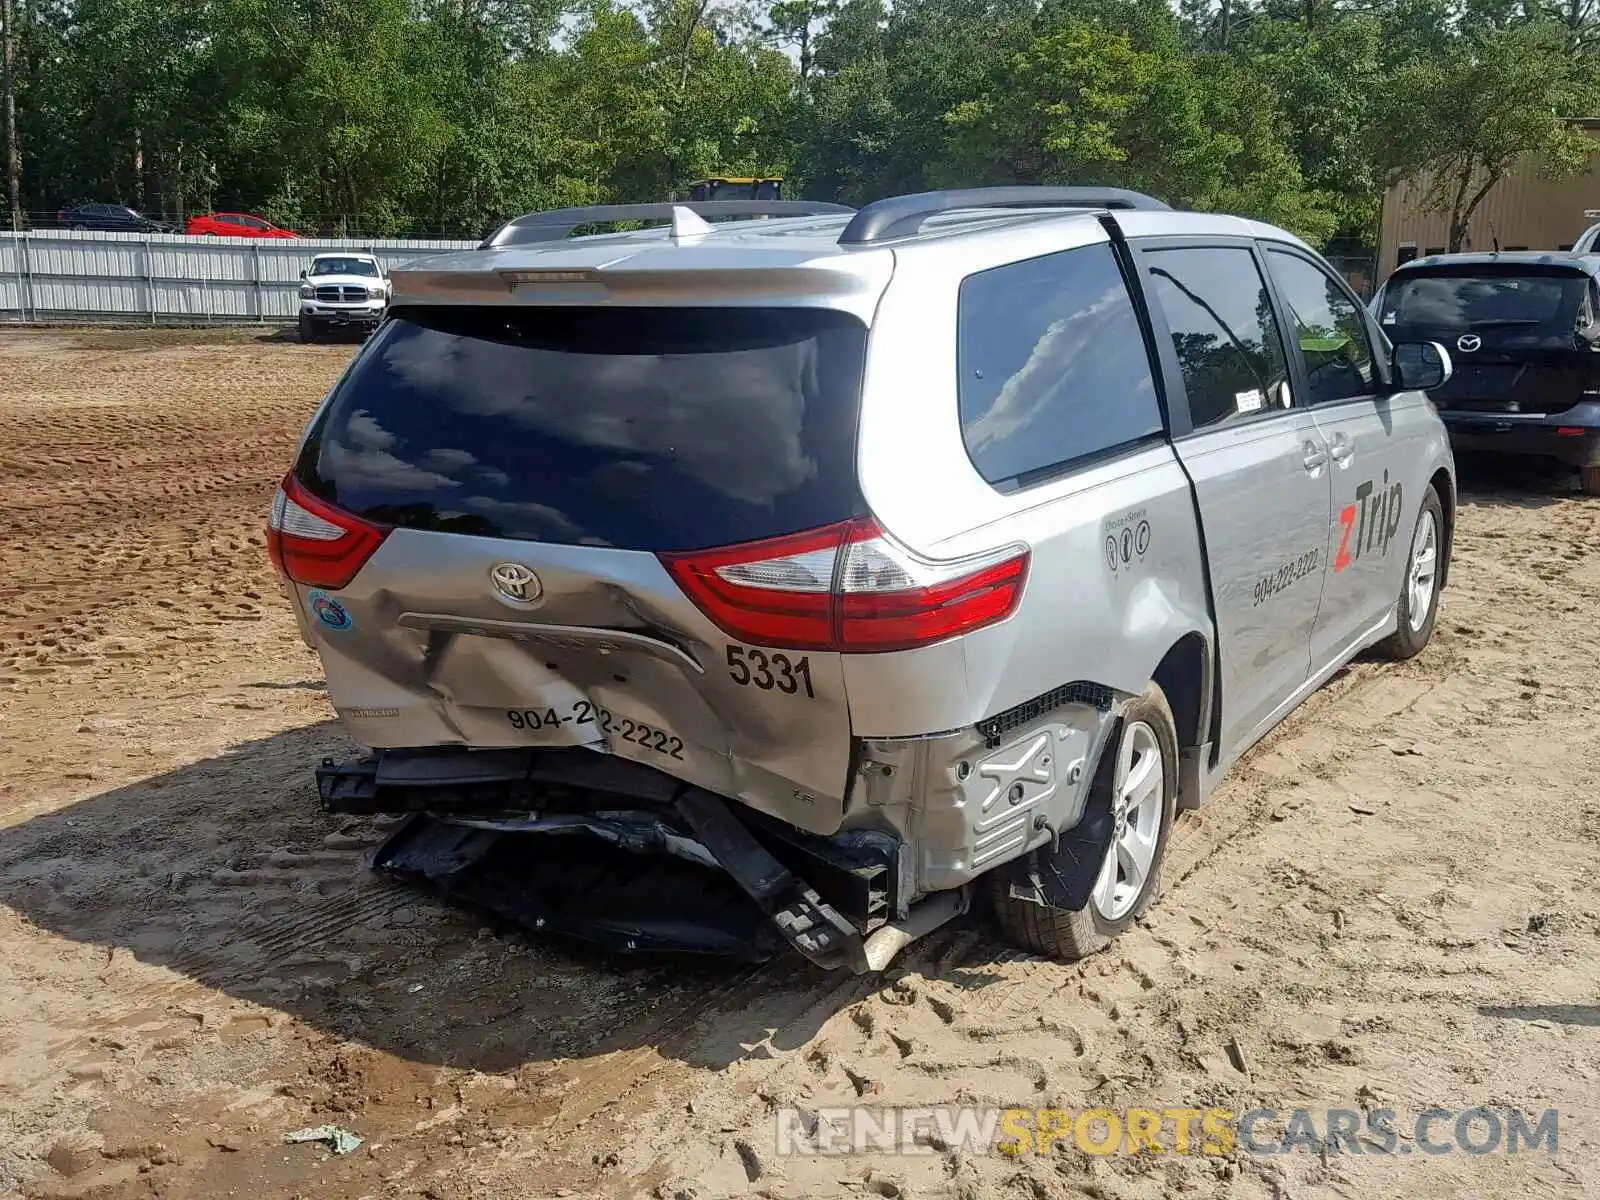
(840, 559)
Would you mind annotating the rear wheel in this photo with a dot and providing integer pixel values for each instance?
(1143, 796)
(1419, 590)
(1589, 479)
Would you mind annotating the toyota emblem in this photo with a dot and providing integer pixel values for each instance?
(516, 584)
(1468, 342)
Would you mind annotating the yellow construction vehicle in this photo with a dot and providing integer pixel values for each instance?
(736, 189)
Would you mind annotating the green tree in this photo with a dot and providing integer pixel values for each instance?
(885, 80)
(796, 25)
(450, 115)
(139, 80)
(852, 121)
(1081, 105)
(1457, 121)
(1328, 83)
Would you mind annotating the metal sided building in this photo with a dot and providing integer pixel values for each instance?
(1524, 211)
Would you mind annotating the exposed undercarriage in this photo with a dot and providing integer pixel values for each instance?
(567, 841)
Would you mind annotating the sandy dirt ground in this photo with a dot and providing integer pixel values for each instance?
(1393, 902)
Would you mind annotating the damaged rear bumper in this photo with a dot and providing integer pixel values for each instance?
(663, 866)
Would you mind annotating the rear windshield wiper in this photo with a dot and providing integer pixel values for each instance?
(1499, 322)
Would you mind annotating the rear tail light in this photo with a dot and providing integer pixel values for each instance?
(1571, 431)
(848, 587)
(314, 543)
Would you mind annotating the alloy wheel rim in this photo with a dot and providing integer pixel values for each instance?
(1423, 570)
(1138, 793)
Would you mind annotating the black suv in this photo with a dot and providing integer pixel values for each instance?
(1522, 329)
(110, 218)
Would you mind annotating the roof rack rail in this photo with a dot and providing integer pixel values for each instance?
(556, 224)
(901, 216)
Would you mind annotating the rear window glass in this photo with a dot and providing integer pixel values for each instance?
(638, 428)
(1459, 300)
(1053, 366)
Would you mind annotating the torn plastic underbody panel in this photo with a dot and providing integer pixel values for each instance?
(613, 852)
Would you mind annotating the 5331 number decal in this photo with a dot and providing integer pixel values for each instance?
(757, 668)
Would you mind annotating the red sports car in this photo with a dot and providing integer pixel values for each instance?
(236, 225)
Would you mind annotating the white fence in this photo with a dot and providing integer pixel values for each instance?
(61, 275)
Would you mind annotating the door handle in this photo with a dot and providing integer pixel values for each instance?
(1342, 450)
(1315, 457)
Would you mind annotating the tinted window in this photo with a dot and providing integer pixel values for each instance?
(249, 222)
(1052, 365)
(1328, 329)
(1461, 299)
(344, 266)
(1223, 331)
(640, 428)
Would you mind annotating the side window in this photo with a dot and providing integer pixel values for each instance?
(1327, 327)
(1223, 331)
(1052, 365)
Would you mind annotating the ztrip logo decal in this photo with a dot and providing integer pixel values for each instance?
(329, 611)
(1370, 522)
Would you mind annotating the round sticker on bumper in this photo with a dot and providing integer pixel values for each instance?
(329, 611)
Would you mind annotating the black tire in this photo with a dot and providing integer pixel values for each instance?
(308, 330)
(1070, 934)
(1408, 641)
(1589, 479)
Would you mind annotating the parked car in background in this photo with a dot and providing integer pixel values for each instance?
(737, 188)
(111, 218)
(235, 225)
(1523, 329)
(340, 291)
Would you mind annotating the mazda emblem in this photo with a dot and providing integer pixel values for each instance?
(515, 583)
(1468, 342)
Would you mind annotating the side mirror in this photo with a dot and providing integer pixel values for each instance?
(1420, 366)
(302, 272)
